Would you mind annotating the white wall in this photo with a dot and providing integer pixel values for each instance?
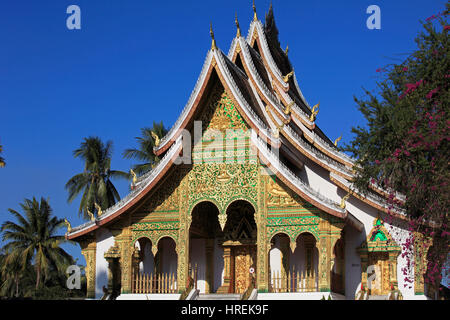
(219, 270)
(318, 179)
(198, 256)
(104, 240)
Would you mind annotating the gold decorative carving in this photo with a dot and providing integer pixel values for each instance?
(99, 209)
(134, 176)
(213, 43)
(314, 112)
(288, 76)
(91, 215)
(156, 138)
(222, 220)
(343, 200)
(337, 140)
(69, 227)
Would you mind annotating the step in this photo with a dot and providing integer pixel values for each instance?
(377, 297)
(216, 296)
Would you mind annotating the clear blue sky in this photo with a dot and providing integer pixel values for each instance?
(133, 62)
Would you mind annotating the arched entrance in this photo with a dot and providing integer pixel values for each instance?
(154, 266)
(205, 254)
(239, 245)
(294, 271)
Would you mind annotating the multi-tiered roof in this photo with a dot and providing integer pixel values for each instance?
(259, 77)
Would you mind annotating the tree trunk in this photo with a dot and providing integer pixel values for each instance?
(16, 280)
(38, 275)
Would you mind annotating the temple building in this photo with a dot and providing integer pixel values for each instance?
(249, 194)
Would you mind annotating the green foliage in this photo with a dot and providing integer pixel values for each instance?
(405, 144)
(144, 152)
(95, 180)
(32, 257)
(2, 161)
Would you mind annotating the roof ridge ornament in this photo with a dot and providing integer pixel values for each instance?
(134, 177)
(255, 17)
(343, 200)
(286, 77)
(90, 214)
(337, 140)
(99, 209)
(288, 108)
(238, 34)
(287, 50)
(314, 112)
(155, 136)
(69, 227)
(211, 32)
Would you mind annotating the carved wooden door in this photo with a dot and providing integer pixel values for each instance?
(380, 283)
(244, 259)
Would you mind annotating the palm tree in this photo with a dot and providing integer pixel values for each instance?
(144, 152)
(95, 179)
(2, 161)
(34, 239)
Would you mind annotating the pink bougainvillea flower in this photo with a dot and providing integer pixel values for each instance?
(432, 92)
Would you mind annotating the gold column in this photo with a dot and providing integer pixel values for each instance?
(126, 258)
(183, 255)
(324, 264)
(393, 269)
(89, 251)
(209, 250)
(225, 287)
(364, 265)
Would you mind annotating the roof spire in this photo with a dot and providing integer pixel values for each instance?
(211, 32)
(238, 34)
(255, 17)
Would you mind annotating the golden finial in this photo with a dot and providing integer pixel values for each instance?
(155, 136)
(99, 209)
(134, 176)
(314, 112)
(255, 17)
(287, 50)
(238, 34)
(211, 32)
(90, 214)
(345, 198)
(286, 77)
(337, 140)
(69, 227)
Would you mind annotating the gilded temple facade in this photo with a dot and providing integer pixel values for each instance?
(249, 193)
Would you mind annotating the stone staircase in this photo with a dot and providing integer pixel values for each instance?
(216, 296)
(378, 298)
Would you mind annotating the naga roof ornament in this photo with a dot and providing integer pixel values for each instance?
(337, 140)
(314, 112)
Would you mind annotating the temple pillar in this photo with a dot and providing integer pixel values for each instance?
(183, 259)
(89, 251)
(209, 250)
(324, 264)
(126, 259)
(393, 269)
(364, 265)
(112, 257)
(227, 263)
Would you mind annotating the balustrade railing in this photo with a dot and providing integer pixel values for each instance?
(155, 283)
(305, 281)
